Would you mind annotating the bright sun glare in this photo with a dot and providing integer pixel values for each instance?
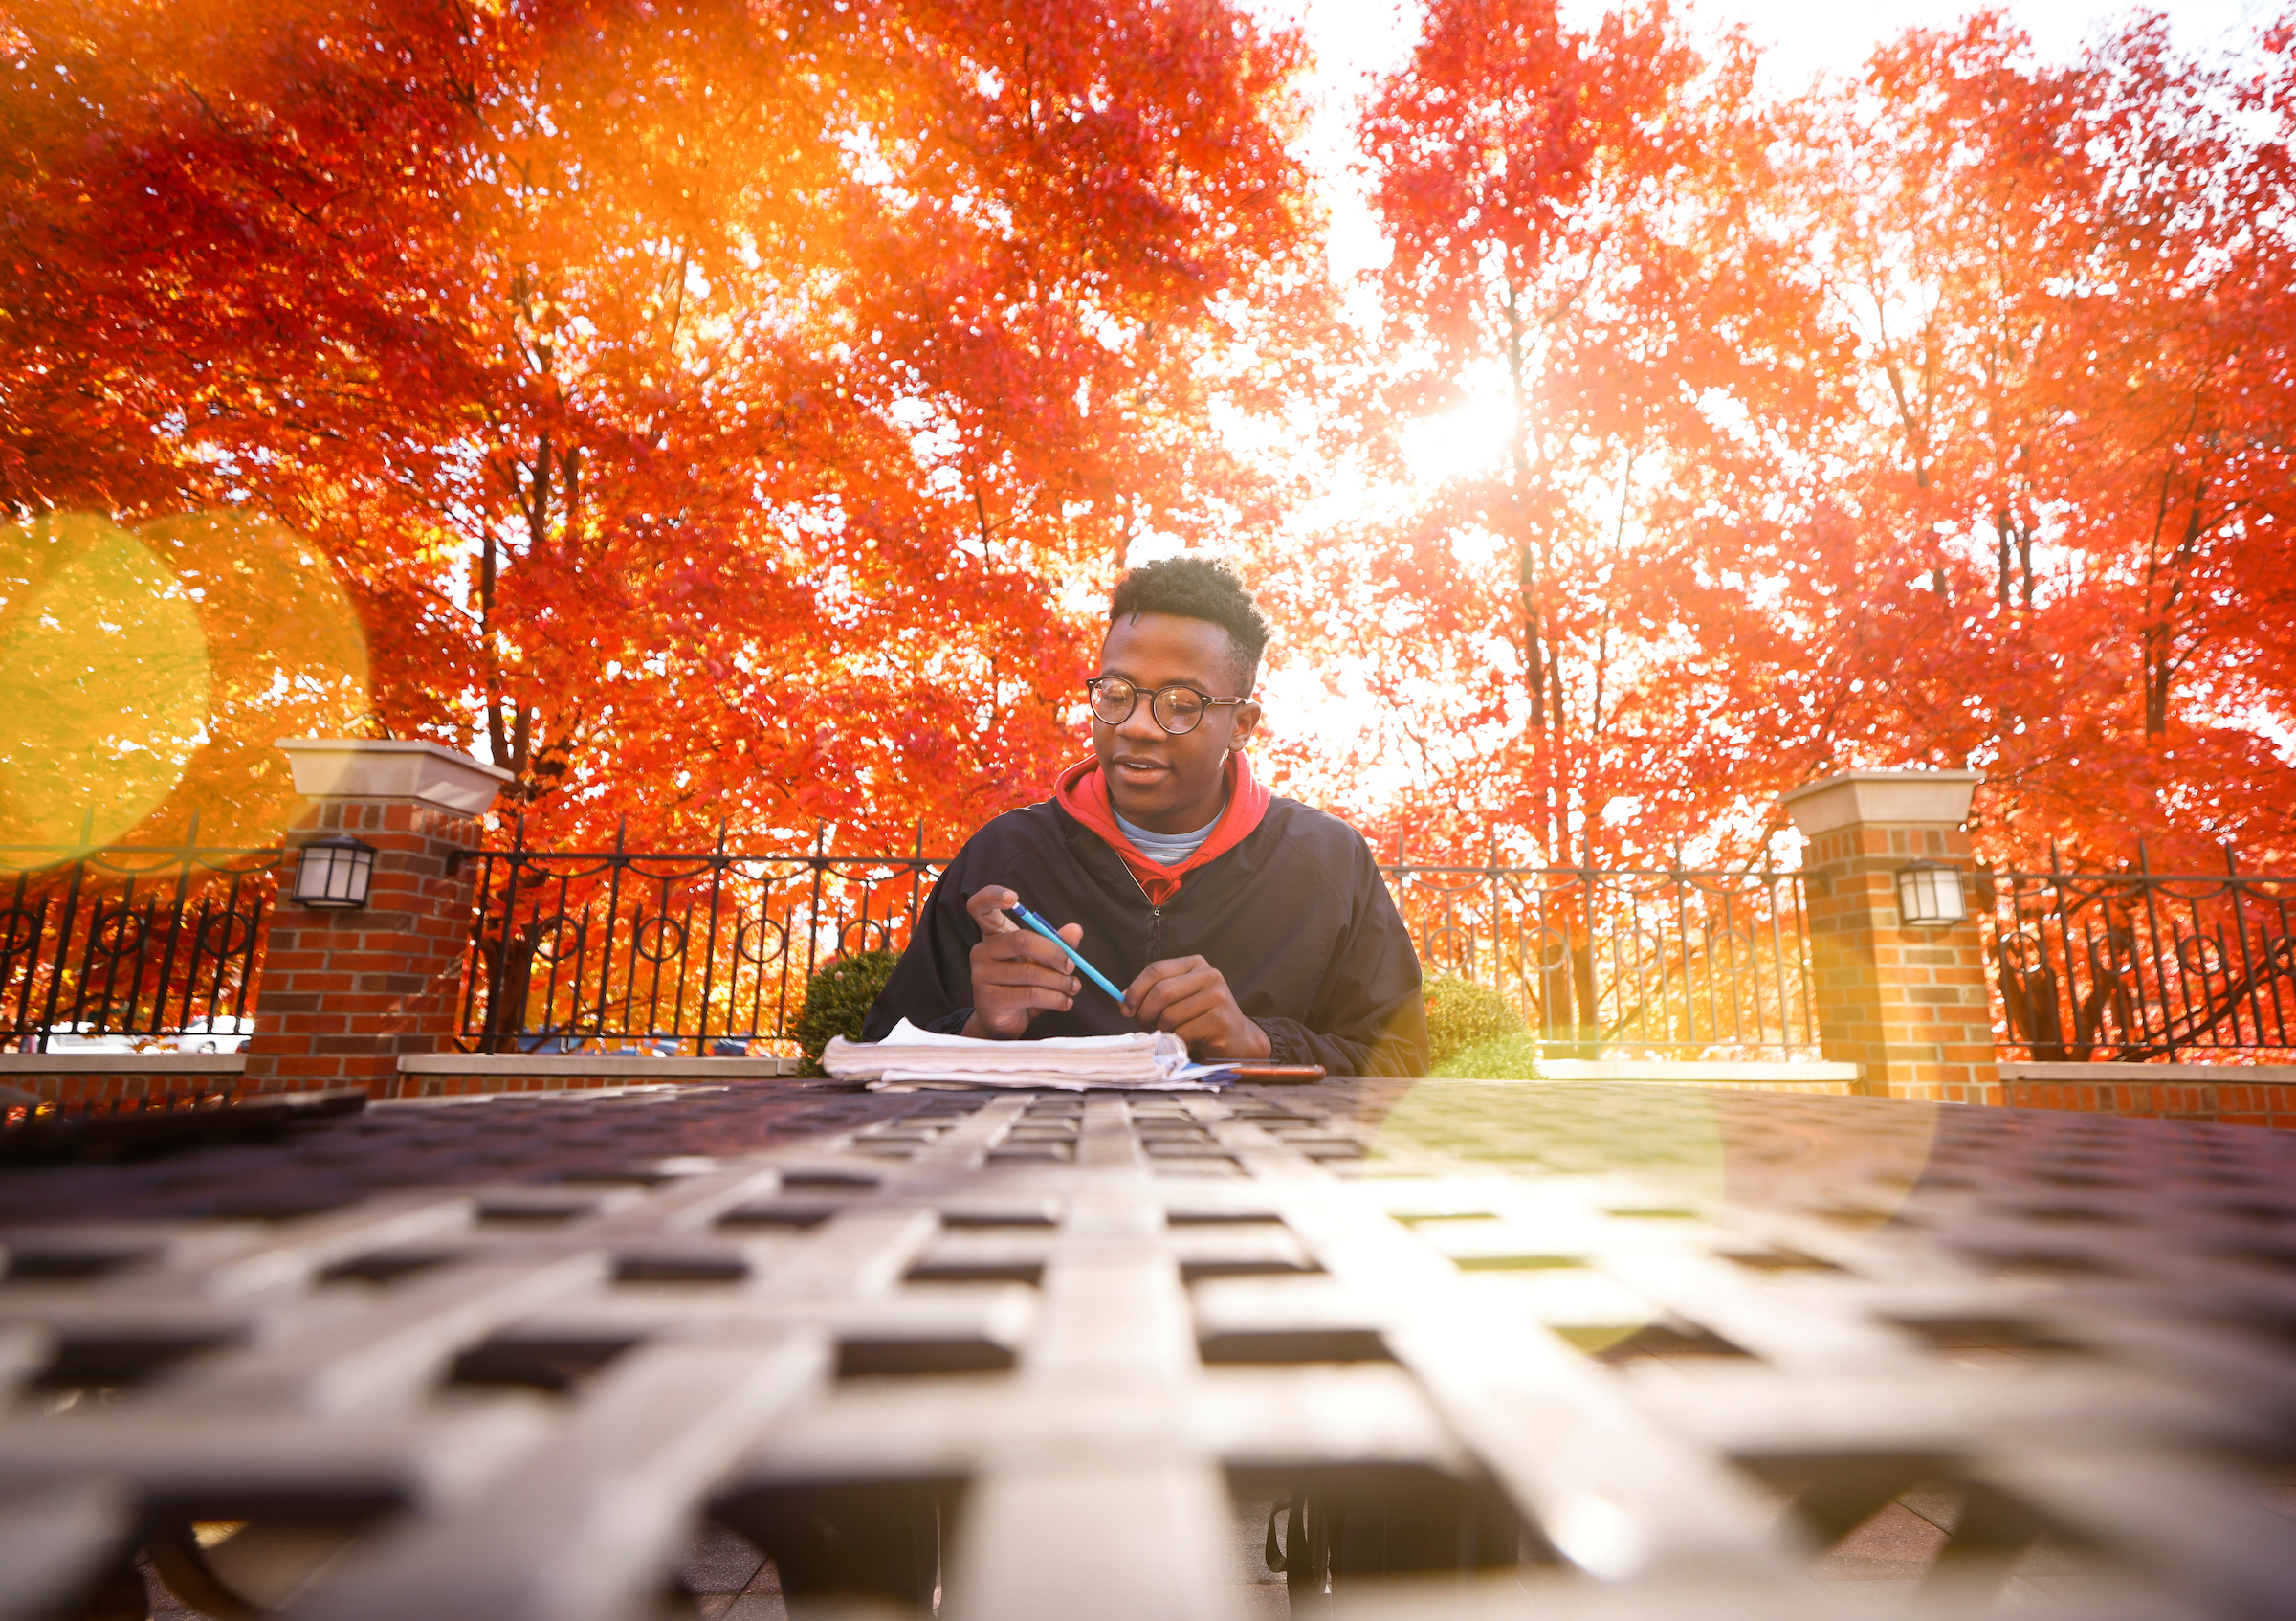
(1462, 442)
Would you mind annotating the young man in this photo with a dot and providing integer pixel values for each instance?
(1252, 926)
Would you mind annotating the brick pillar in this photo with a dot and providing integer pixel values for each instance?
(1909, 1004)
(345, 993)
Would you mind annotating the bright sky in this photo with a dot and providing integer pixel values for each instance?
(1354, 37)
(1354, 40)
(1809, 38)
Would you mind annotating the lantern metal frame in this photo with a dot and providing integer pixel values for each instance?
(334, 875)
(1932, 895)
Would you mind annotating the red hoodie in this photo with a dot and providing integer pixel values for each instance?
(1083, 793)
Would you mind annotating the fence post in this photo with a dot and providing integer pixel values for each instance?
(1911, 1005)
(345, 993)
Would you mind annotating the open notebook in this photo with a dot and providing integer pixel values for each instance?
(1155, 1060)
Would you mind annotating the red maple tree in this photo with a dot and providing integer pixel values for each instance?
(1929, 418)
(1587, 219)
(734, 412)
(710, 406)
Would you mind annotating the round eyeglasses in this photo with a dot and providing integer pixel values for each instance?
(1179, 710)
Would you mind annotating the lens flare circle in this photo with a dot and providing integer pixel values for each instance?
(104, 688)
(145, 675)
(287, 657)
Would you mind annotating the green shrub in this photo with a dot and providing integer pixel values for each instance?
(1462, 1013)
(838, 998)
(1503, 1058)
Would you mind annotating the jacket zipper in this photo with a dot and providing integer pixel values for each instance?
(1155, 916)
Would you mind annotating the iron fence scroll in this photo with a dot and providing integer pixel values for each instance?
(690, 950)
(138, 941)
(1675, 962)
(2137, 967)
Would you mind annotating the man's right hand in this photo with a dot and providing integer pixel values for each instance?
(1017, 972)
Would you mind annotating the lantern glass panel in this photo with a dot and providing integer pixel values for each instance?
(1929, 896)
(334, 872)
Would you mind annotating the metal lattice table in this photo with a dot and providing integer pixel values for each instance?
(1619, 1351)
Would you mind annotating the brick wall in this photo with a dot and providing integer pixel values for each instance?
(1910, 1005)
(344, 994)
(80, 1089)
(2226, 1094)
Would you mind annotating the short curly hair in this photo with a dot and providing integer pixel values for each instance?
(1198, 587)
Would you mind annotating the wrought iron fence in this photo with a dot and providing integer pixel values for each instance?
(694, 949)
(2142, 966)
(142, 942)
(1669, 962)
(688, 951)
(698, 949)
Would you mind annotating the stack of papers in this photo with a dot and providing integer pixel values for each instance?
(910, 1058)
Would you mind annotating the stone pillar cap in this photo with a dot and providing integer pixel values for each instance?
(1918, 798)
(385, 769)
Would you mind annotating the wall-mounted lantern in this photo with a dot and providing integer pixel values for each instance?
(334, 872)
(1929, 895)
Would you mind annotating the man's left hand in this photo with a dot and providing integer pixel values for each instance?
(1189, 997)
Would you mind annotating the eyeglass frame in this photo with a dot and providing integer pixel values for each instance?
(1091, 697)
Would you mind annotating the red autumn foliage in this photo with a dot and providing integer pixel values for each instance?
(710, 404)
(736, 412)
(1936, 418)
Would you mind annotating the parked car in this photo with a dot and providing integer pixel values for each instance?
(107, 1041)
(553, 1045)
(610, 1046)
(213, 1035)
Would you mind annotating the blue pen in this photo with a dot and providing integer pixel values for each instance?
(1053, 935)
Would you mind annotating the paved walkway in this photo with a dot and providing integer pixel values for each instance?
(733, 1581)
(1884, 1559)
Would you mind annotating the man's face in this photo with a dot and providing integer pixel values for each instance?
(1167, 784)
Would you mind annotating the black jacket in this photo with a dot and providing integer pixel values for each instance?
(1297, 916)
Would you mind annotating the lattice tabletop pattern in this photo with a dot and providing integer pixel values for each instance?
(1618, 1351)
